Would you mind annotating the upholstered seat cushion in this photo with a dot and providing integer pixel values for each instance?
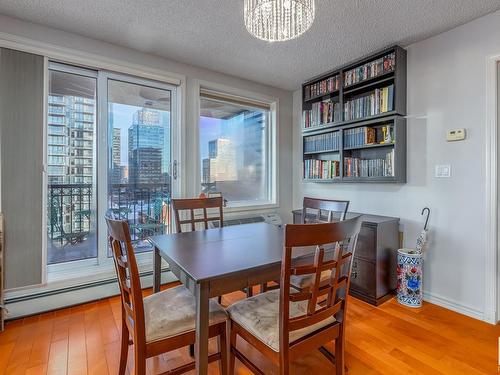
(259, 315)
(172, 312)
(305, 281)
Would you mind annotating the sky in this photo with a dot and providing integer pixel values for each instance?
(210, 129)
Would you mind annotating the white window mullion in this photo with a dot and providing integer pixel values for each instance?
(102, 167)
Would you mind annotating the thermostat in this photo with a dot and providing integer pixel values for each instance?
(455, 135)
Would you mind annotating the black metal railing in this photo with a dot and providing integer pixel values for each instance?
(71, 210)
(146, 207)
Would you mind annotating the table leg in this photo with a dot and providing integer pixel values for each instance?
(202, 311)
(156, 270)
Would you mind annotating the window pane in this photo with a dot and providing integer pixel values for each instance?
(234, 156)
(71, 207)
(139, 154)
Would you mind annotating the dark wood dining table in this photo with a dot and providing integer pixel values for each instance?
(218, 261)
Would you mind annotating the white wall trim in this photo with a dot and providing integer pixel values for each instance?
(491, 255)
(454, 306)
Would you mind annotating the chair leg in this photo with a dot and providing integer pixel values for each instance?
(123, 349)
(232, 357)
(339, 353)
(263, 287)
(191, 350)
(284, 365)
(223, 351)
(139, 362)
(249, 292)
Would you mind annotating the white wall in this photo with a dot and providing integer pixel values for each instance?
(191, 76)
(446, 90)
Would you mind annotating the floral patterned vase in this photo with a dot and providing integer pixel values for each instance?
(409, 288)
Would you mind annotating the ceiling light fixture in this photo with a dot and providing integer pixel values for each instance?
(278, 20)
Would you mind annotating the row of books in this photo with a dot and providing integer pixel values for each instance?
(322, 113)
(370, 70)
(322, 88)
(357, 167)
(322, 142)
(379, 101)
(358, 137)
(321, 169)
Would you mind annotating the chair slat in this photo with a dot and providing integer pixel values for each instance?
(191, 205)
(309, 320)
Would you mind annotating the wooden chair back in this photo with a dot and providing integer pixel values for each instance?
(190, 207)
(341, 237)
(128, 278)
(319, 206)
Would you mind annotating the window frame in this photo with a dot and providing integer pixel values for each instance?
(242, 97)
(102, 265)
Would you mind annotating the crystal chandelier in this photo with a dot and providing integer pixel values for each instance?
(278, 20)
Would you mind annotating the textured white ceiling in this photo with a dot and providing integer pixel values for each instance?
(211, 33)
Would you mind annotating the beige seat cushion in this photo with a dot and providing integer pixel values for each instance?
(305, 281)
(172, 312)
(259, 315)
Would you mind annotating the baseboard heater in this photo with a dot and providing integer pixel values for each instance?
(50, 300)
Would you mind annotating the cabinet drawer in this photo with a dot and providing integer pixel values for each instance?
(366, 246)
(363, 277)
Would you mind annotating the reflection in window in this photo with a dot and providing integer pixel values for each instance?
(234, 139)
(70, 168)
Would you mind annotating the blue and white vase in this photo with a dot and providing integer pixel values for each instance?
(409, 287)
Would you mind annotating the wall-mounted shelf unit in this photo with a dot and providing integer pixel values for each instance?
(352, 123)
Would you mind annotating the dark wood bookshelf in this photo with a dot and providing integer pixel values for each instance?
(393, 118)
(327, 95)
(321, 152)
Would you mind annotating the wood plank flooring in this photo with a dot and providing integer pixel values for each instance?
(389, 339)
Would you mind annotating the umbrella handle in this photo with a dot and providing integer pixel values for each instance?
(428, 214)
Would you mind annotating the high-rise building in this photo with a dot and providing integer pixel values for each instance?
(146, 145)
(253, 152)
(116, 156)
(220, 165)
(70, 157)
(70, 139)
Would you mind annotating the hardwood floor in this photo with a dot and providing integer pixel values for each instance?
(389, 339)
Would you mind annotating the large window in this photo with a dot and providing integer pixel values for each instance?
(139, 188)
(71, 203)
(236, 149)
(97, 119)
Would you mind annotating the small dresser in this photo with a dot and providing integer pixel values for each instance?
(373, 277)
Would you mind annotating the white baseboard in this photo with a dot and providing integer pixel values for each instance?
(37, 305)
(456, 306)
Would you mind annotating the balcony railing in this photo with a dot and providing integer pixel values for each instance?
(71, 222)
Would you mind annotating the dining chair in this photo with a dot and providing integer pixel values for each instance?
(286, 324)
(185, 212)
(161, 322)
(211, 213)
(316, 211)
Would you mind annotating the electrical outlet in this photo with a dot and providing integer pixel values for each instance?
(455, 135)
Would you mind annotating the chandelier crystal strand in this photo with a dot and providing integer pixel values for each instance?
(278, 20)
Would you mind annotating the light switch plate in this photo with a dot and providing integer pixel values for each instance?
(455, 135)
(443, 171)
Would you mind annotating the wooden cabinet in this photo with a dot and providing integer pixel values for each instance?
(373, 277)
